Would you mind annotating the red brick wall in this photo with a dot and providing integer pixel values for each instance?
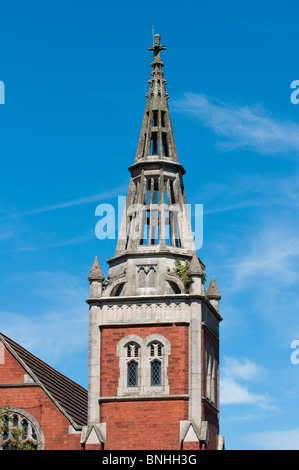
(10, 370)
(144, 425)
(35, 401)
(211, 415)
(149, 424)
(177, 370)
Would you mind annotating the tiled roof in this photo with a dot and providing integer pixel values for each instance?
(69, 396)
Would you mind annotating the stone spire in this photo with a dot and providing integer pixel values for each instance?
(156, 221)
(156, 137)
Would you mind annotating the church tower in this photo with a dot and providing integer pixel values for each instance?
(153, 327)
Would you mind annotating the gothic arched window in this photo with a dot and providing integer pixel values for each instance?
(143, 365)
(20, 430)
(156, 363)
(132, 364)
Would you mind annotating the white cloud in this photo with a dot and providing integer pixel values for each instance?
(243, 369)
(276, 440)
(248, 127)
(53, 325)
(271, 253)
(234, 393)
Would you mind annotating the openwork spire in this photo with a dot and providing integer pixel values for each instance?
(156, 137)
(156, 218)
(155, 228)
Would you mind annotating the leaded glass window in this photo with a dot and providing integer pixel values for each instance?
(155, 373)
(132, 374)
(143, 364)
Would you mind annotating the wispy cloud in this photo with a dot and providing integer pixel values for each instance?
(6, 235)
(246, 127)
(241, 369)
(264, 191)
(273, 249)
(17, 232)
(232, 391)
(52, 324)
(105, 195)
(276, 440)
(70, 242)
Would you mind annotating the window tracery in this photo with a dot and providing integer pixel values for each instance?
(20, 430)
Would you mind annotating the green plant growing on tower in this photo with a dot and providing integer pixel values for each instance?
(204, 276)
(181, 270)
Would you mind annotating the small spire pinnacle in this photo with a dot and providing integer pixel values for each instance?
(195, 268)
(96, 272)
(213, 292)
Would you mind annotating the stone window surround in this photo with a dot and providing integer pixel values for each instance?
(144, 387)
(33, 423)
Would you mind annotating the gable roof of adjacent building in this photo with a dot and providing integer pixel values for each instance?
(68, 396)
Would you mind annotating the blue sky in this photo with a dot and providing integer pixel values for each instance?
(75, 76)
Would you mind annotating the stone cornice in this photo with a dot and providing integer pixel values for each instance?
(19, 384)
(144, 162)
(152, 250)
(144, 397)
(154, 298)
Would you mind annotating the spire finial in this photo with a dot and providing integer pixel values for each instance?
(157, 48)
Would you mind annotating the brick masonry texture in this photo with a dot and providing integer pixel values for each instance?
(143, 425)
(36, 402)
(178, 359)
(152, 424)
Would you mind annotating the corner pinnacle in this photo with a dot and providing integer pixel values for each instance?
(195, 268)
(96, 272)
(213, 292)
